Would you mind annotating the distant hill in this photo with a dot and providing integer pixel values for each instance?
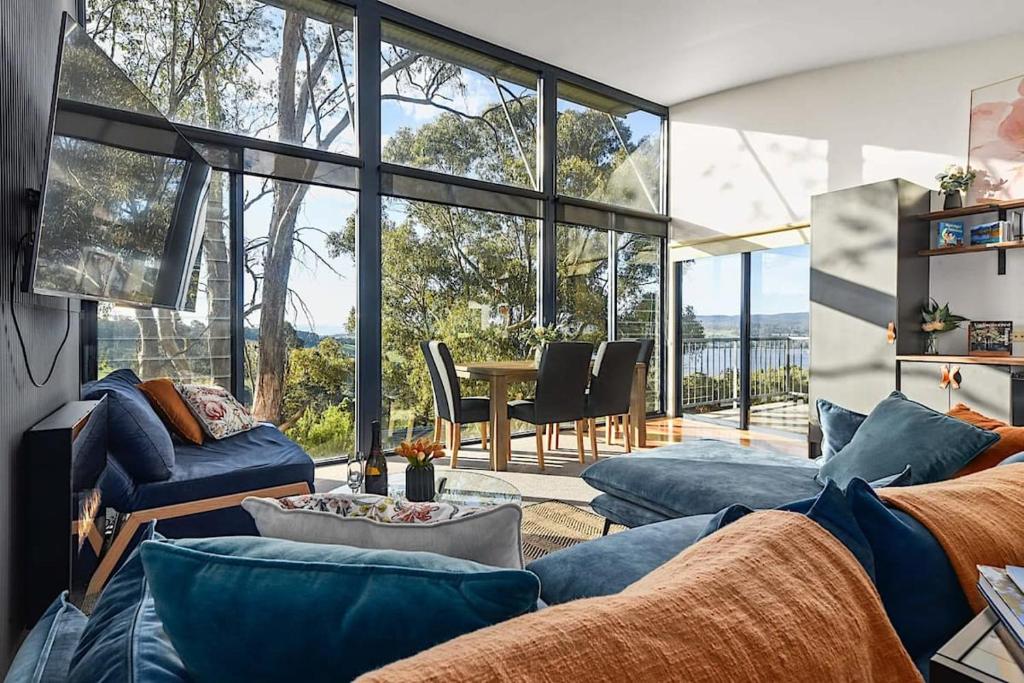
(310, 339)
(764, 325)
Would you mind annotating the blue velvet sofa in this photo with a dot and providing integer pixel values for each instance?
(192, 491)
(696, 478)
(901, 442)
(125, 638)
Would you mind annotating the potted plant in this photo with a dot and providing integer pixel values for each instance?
(419, 474)
(541, 336)
(953, 182)
(937, 319)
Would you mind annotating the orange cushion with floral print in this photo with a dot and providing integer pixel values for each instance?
(1011, 439)
(167, 403)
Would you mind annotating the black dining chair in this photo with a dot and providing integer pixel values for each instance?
(449, 405)
(644, 355)
(611, 384)
(561, 387)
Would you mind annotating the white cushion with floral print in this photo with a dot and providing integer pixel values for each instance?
(487, 534)
(220, 413)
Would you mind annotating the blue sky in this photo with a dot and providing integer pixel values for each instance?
(780, 283)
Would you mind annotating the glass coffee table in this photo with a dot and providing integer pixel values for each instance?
(462, 487)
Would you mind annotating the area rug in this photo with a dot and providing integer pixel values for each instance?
(554, 525)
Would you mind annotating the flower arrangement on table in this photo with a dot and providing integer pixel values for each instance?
(937, 320)
(419, 475)
(420, 453)
(953, 182)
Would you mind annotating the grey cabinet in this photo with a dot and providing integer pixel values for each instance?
(921, 382)
(865, 276)
(994, 390)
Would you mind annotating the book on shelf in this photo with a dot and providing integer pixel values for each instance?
(999, 587)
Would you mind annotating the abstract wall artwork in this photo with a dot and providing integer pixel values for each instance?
(997, 141)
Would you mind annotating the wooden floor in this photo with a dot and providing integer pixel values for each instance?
(561, 480)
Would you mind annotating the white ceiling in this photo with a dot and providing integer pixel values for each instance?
(674, 50)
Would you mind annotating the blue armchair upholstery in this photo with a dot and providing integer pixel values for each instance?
(200, 495)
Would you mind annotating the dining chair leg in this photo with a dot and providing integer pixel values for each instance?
(549, 430)
(456, 442)
(483, 435)
(540, 447)
(557, 429)
(592, 426)
(626, 429)
(579, 441)
(437, 429)
(608, 431)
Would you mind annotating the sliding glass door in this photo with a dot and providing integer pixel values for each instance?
(779, 337)
(744, 339)
(709, 338)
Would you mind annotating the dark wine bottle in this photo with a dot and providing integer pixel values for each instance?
(376, 475)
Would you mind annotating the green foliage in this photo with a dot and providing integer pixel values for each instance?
(325, 433)
(318, 377)
(938, 318)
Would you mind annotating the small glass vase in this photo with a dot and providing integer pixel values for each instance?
(537, 353)
(931, 344)
(419, 483)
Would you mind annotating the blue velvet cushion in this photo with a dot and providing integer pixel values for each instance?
(1017, 457)
(606, 565)
(124, 641)
(829, 509)
(137, 437)
(913, 575)
(46, 653)
(901, 432)
(917, 583)
(838, 425)
(245, 608)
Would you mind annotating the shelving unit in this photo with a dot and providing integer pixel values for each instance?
(973, 210)
(1000, 248)
(1005, 361)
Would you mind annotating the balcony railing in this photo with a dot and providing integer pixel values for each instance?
(711, 371)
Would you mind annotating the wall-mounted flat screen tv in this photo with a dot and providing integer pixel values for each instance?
(124, 196)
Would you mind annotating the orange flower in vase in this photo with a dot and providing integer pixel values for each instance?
(419, 475)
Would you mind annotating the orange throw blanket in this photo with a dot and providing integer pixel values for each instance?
(772, 597)
(978, 519)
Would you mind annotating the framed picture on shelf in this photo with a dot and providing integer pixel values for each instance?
(990, 338)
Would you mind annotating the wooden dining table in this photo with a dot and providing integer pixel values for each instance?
(500, 373)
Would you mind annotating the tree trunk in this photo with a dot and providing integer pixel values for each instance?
(273, 351)
(277, 261)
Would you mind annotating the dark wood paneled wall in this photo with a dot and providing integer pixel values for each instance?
(28, 47)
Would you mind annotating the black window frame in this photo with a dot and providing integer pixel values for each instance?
(375, 176)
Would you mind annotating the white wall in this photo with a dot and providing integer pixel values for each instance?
(751, 158)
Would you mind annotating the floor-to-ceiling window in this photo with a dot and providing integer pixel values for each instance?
(504, 185)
